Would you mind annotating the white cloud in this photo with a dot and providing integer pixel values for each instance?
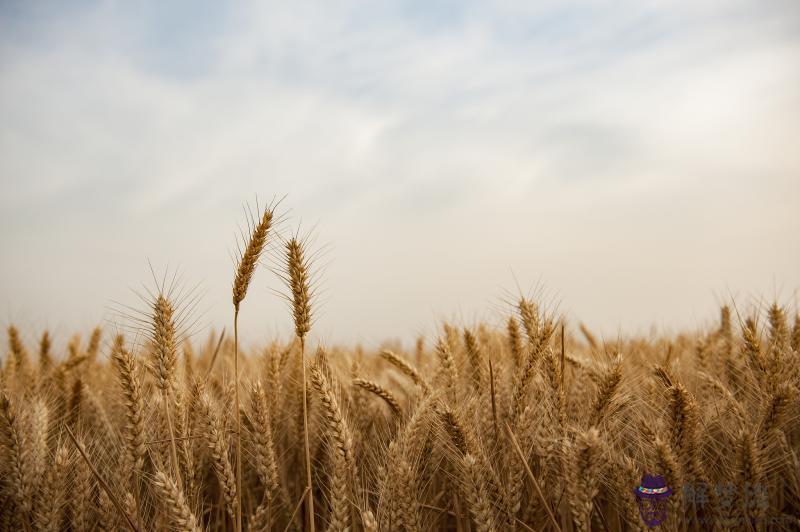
(624, 155)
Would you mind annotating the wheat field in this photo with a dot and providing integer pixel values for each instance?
(536, 425)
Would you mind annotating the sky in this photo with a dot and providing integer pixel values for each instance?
(629, 163)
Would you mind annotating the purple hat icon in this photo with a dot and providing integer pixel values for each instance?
(651, 496)
(653, 487)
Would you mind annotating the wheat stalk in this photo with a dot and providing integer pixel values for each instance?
(101, 481)
(244, 274)
(298, 279)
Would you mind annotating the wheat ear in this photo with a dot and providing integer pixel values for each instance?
(529, 316)
(54, 492)
(750, 471)
(165, 356)
(475, 357)
(448, 368)
(266, 464)
(406, 368)
(38, 425)
(180, 515)
(13, 443)
(795, 340)
(774, 413)
(250, 256)
(93, 346)
(514, 342)
(129, 378)
(19, 355)
(337, 427)
(583, 485)
(368, 521)
(477, 496)
(606, 389)
(244, 273)
(383, 393)
(218, 447)
(341, 448)
(45, 357)
(298, 279)
(669, 467)
(398, 489)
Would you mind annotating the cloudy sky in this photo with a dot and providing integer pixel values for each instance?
(629, 162)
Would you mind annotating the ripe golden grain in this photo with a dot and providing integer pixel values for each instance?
(493, 429)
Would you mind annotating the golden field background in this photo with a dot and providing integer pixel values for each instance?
(535, 426)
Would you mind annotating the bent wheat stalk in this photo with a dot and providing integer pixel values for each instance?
(244, 273)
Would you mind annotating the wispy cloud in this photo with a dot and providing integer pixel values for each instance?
(623, 153)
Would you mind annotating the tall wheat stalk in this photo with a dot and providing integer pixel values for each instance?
(244, 273)
(297, 277)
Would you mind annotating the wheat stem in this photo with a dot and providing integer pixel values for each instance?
(101, 481)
